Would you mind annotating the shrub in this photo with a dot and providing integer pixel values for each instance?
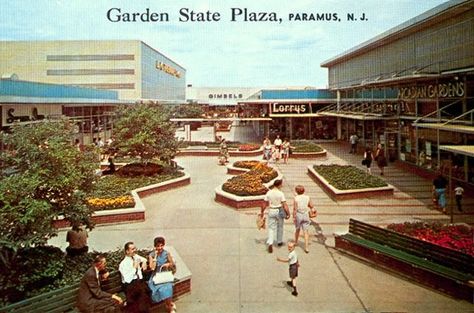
(306, 146)
(33, 269)
(140, 169)
(345, 177)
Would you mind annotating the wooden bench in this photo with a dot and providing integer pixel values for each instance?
(444, 269)
(64, 299)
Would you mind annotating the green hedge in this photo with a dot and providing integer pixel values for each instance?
(345, 177)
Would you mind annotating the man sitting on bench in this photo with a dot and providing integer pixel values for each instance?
(90, 297)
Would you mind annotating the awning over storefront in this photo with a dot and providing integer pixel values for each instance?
(363, 117)
(466, 129)
(220, 119)
(464, 150)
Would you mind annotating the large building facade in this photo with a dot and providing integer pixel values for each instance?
(412, 89)
(130, 67)
(91, 110)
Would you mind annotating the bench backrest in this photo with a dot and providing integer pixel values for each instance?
(60, 300)
(434, 253)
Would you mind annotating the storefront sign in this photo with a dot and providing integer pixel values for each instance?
(27, 114)
(168, 69)
(290, 108)
(431, 91)
(225, 96)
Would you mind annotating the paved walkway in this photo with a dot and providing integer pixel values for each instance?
(231, 270)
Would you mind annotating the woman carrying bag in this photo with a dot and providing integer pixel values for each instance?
(303, 210)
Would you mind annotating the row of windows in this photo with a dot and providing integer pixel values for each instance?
(114, 71)
(90, 57)
(432, 50)
(108, 86)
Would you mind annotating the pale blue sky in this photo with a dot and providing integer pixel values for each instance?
(223, 53)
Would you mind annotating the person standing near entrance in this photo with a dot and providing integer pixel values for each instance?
(278, 211)
(439, 187)
(353, 139)
(368, 157)
(380, 158)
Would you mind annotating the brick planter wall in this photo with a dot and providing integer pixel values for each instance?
(239, 204)
(337, 194)
(107, 219)
(215, 153)
(157, 189)
(135, 214)
(308, 155)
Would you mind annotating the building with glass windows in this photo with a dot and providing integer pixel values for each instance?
(412, 89)
(90, 109)
(130, 67)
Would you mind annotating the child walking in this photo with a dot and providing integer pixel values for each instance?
(292, 260)
(458, 191)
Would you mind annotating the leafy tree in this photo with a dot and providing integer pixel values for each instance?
(43, 176)
(187, 110)
(144, 130)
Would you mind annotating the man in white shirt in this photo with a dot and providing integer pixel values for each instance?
(278, 210)
(132, 265)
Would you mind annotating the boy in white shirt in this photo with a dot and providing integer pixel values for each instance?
(293, 266)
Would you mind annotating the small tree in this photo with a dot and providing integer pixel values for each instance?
(144, 130)
(190, 110)
(43, 176)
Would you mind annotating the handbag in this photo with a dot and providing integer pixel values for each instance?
(364, 162)
(281, 212)
(162, 277)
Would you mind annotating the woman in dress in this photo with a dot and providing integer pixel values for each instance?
(161, 259)
(302, 205)
(380, 158)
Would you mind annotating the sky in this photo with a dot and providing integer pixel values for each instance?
(220, 53)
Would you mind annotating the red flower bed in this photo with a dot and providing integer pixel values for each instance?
(456, 237)
(249, 147)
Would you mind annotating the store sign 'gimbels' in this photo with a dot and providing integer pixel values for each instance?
(225, 96)
(289, 108)
(441, 90)
(168, 69)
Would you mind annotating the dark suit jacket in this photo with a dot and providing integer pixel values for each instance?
(90, 297)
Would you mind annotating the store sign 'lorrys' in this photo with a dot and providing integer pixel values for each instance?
(168, 69)
(289, 108)
(441, 90)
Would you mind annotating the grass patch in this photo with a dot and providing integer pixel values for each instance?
(346, 177)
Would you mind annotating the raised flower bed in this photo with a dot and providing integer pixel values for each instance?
(459, 237)
(248, 189)
(212, 149)
(241, 167)
(342, 182)
(114, 207)
(305, 149)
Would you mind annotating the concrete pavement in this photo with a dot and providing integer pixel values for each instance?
(231, 270)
